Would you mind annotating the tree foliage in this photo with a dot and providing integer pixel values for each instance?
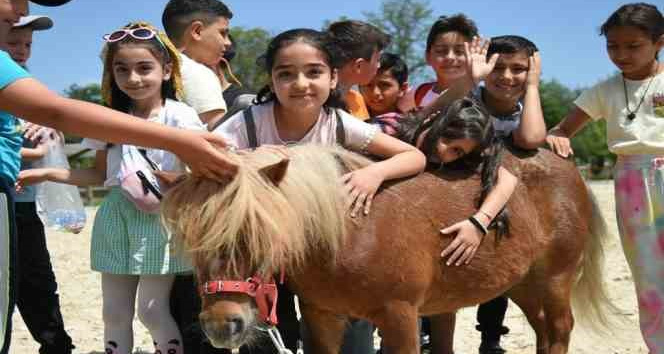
(88, 93)
(250, 44)
(408, 22)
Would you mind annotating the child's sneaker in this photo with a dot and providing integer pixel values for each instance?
(491, 347)
(425, 343)
(491, 340)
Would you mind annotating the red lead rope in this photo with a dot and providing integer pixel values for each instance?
(265, 294)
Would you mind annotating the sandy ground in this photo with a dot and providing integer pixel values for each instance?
(80, 296)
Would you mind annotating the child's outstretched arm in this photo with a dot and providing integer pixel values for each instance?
(559, 136)
(29, 99)
(35, 153)
(469, 234)
(403, 160)
(79, 177)
(478, 68)
(531, 131)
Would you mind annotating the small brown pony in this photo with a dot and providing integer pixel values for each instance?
(281, 213)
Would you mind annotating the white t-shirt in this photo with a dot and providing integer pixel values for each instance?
(173, 114)
(358, 134)
(202, 89)
(644, 134)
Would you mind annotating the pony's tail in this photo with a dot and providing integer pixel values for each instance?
(590, 297)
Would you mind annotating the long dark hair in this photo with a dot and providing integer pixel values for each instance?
(316, 39)
(463, 119)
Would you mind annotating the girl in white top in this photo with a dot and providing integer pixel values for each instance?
(632, 103)
(129, 247)
(298, 107)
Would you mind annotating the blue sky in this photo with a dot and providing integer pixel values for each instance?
(566, 31)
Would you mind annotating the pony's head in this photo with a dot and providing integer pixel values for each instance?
(281, 208)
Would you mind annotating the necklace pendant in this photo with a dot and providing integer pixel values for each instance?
(631, 116)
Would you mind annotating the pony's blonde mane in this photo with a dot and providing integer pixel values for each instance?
(251, 224)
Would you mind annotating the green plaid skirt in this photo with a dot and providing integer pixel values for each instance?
(126, 240)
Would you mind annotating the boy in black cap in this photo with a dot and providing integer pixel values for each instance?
(37, 296)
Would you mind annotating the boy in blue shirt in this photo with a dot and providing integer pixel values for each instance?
(37, 298)
(10, 163)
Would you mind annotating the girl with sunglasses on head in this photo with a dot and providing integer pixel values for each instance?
(21, 95)
(129, 247)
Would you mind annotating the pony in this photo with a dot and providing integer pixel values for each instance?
(281, 215)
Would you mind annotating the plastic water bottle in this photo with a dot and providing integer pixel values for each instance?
(59, 206)
(66, 220)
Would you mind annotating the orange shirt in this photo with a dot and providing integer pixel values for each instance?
(356, 105)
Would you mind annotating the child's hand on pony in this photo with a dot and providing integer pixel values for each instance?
(559, 143)
(465, 244)
(361, 186)
(169, 178)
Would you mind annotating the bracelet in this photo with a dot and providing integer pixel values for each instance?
(485, 214)
(478, 225)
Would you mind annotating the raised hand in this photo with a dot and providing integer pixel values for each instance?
(534, 71)
(478, 65)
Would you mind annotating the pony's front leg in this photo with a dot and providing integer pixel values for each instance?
(398, 327)
(322, 331)
(442, 333)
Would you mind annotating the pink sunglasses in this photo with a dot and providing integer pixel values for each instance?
(140, 33)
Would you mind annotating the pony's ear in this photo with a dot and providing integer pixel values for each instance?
(275, 173)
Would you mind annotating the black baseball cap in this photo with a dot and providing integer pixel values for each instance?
(50, 2)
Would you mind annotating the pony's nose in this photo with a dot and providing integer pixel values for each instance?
(234, 325)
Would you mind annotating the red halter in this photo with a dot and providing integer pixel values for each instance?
(265, 294)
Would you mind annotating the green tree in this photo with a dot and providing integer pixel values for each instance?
(89, 93)
(250, 44)
(557, 100)
(408, 22)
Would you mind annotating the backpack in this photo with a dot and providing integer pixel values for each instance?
(250, 125)
(138, 182)
(421, 91)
